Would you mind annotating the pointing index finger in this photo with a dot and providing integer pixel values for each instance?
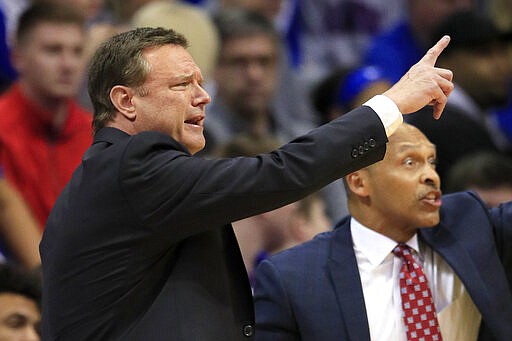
(433, 53)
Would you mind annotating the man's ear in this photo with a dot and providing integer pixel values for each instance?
(121, 96)
(358, 183)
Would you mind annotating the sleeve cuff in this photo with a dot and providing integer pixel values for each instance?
(387, 111)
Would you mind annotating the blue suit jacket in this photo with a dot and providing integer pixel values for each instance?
(313, 291)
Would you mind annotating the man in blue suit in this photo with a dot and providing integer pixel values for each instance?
(343, 285)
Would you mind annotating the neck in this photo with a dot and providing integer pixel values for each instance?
(257, 120)
(57, 107)
(122, 123)
(380, 223)
(260, 125)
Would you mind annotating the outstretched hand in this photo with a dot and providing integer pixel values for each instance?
(424, 84)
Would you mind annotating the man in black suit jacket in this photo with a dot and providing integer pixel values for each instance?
(139, 245)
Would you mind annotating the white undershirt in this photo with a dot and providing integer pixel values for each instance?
(379, 270)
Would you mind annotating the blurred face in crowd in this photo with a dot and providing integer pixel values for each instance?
(425, 14)
(484, 73)
(50, 60)
(172, 99)
(246, 76)
(19, 318)
(400, 193)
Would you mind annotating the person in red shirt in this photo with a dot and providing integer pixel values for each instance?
(43, 131)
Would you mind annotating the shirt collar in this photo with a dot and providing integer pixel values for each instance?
(41, 120)
(373, 245)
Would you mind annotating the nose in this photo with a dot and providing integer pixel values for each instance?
(255, 70)
(71, 59)
(31, 334)
(431, 177)
(201, 96)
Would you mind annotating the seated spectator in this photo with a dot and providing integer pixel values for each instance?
(292, 82)
(43, 131)
(20, 299)
(488, 174)
(246, 78)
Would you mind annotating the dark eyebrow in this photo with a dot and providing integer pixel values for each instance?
(188, 77)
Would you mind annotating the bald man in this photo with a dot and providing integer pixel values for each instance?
(344, 284)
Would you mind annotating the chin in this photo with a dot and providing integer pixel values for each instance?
(431, 221)
(195, 148)
(65, 94)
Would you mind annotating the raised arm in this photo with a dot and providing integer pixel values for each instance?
(424, 84)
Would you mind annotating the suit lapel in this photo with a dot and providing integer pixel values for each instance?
(342, 267)
(441, 240)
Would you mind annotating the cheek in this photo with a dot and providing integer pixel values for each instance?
(427, 219)
(233, 86)
(169, 122)
(42, 58)
(271, 83)
(396, 197)
(392, 194)
(26, 62)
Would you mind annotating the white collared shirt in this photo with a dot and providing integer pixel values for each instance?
(387, 111)
(379, 270)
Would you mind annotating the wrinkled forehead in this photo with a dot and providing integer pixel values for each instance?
(408, 132)
(408, 137)
(53, 31)
(171, 59)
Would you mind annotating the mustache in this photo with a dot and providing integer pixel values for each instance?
(433, 191)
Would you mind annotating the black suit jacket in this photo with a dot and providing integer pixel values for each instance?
(139, 245)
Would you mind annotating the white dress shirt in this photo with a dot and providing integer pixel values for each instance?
(388, 112)
(379, 269)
